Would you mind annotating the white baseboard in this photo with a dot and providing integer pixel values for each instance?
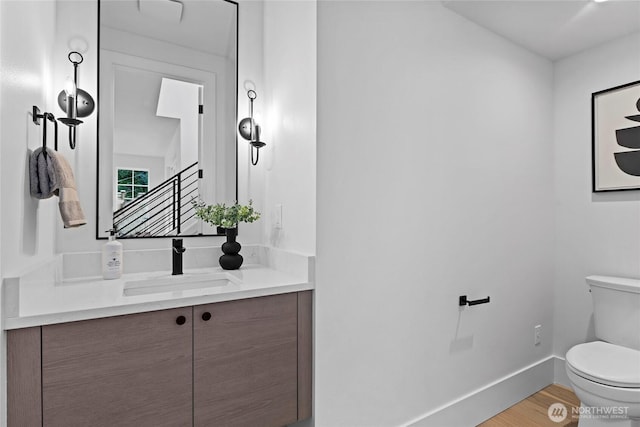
(484, 403)
(559, 372)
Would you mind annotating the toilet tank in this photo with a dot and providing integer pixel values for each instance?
(616, 310)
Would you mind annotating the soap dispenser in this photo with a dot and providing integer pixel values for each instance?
(112, 257)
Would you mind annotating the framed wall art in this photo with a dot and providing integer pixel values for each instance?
(615, 127)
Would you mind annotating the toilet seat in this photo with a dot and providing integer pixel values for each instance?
(606, 363)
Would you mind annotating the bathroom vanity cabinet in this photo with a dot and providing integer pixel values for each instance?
(244, 362)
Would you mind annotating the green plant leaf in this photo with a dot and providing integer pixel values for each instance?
(221, 215)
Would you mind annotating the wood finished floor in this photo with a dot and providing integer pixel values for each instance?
(532, 411)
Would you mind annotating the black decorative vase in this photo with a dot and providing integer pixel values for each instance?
(231, 260)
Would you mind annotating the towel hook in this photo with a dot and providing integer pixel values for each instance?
(50, 117)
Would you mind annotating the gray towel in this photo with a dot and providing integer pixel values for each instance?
(41, 174)
(51, 175)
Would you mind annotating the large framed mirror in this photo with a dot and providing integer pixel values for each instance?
(167, 105)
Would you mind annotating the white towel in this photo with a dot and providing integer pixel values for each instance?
(51, 175)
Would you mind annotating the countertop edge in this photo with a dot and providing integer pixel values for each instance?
(120, 310)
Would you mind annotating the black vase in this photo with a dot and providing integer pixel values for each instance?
(231, 260)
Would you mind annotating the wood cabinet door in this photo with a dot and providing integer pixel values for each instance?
(24, 387)
(245, 362)
(125, 371)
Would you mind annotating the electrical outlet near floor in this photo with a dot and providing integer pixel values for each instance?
(537, 334)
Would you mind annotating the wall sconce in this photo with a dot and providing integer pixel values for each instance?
(74, 101)
(250, 130)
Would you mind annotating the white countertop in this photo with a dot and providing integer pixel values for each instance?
(40, 299)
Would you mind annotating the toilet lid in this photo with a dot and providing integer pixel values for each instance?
(606, 363)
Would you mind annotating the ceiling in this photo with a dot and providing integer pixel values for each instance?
(207, 26)
(553, 28)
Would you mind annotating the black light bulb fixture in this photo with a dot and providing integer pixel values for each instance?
(250, 130)
(74, 101)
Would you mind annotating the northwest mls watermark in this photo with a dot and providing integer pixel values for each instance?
(558, 412)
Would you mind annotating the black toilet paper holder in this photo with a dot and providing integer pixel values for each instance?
(464, 301)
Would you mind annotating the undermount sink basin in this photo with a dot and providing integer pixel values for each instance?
(183, 282)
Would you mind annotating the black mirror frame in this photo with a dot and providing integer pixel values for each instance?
(219, 231)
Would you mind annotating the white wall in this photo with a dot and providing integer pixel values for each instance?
(1, 301)
(172, 155)
(251, 179)
(26, 225)
(435, 179)
(176, 100)
(596, 233)
(25, 61)
(76, 30)
(289, 124)
(3, 342)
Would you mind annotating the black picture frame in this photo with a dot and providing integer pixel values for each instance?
(615, 135)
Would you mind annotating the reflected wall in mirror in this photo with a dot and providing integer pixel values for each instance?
(167, 114)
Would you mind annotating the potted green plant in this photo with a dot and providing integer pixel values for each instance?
(227, 217)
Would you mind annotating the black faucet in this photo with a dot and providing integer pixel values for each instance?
(176, 253)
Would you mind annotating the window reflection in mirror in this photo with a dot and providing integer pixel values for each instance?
(167, 114)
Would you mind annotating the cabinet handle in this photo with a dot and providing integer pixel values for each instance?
(206, 316)
(181, 320)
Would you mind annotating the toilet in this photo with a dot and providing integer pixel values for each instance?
(605, 374)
